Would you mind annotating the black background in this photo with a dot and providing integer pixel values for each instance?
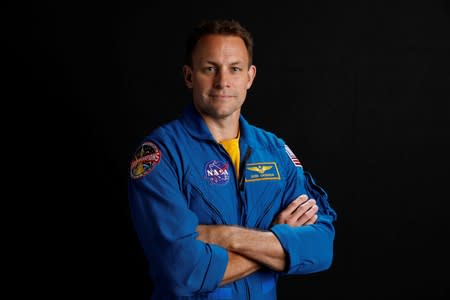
(359, 90)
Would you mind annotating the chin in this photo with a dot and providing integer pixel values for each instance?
(219, 111)
(223, 113)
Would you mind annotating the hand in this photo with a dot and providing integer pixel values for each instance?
(302, 211)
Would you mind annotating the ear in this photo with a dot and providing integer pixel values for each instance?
(187, 74)
(251, 75)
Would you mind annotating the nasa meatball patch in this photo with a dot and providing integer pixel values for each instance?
(216, 172)
(146, 157)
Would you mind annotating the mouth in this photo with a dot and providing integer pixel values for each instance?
(221, 96)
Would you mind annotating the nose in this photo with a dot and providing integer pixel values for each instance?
(222, 79)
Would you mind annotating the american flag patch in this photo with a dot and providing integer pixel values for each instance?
(292, 156)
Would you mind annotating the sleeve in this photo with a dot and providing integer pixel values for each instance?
(308, 248)
(166, 228)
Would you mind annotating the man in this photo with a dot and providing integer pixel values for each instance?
(223, 208)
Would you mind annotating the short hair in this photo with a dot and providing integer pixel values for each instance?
(221, 27)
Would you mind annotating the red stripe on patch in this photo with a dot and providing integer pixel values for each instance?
(292, 156)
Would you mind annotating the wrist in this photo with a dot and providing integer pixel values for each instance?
(234, 239)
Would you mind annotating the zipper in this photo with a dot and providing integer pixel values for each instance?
(240, 187)
(242, 169)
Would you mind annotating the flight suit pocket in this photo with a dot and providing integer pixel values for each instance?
(264, 202)
(206, 212)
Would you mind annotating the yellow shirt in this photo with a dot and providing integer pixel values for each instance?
(232, 147)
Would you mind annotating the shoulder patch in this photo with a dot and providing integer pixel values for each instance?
(292, 156)
(146, 157)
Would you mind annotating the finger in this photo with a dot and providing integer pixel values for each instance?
(308, 215)
(294, 204)
(306, 212)
(313, 220)
(302, 209)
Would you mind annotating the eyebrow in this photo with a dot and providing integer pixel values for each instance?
(232, 64)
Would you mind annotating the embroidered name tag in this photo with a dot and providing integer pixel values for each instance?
(262, 171)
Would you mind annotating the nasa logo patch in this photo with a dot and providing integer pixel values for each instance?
(146, 157)
(216, 172)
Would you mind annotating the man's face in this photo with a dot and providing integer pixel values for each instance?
(219, 76)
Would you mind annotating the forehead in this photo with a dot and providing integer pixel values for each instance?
(221, 49)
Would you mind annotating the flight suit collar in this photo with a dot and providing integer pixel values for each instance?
(196, 126)
(194, 123)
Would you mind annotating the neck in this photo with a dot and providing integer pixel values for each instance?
(223, 129)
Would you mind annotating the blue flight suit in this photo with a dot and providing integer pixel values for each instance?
(181, 177)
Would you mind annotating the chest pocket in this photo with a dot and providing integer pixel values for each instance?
(213, 204)
(263, 192)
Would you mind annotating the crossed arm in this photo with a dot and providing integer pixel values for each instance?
(251, 249)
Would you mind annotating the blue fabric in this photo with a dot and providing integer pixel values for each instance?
(221, 293)
(189, 179)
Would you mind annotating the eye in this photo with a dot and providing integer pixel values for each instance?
(236, 69)
(210, 69)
